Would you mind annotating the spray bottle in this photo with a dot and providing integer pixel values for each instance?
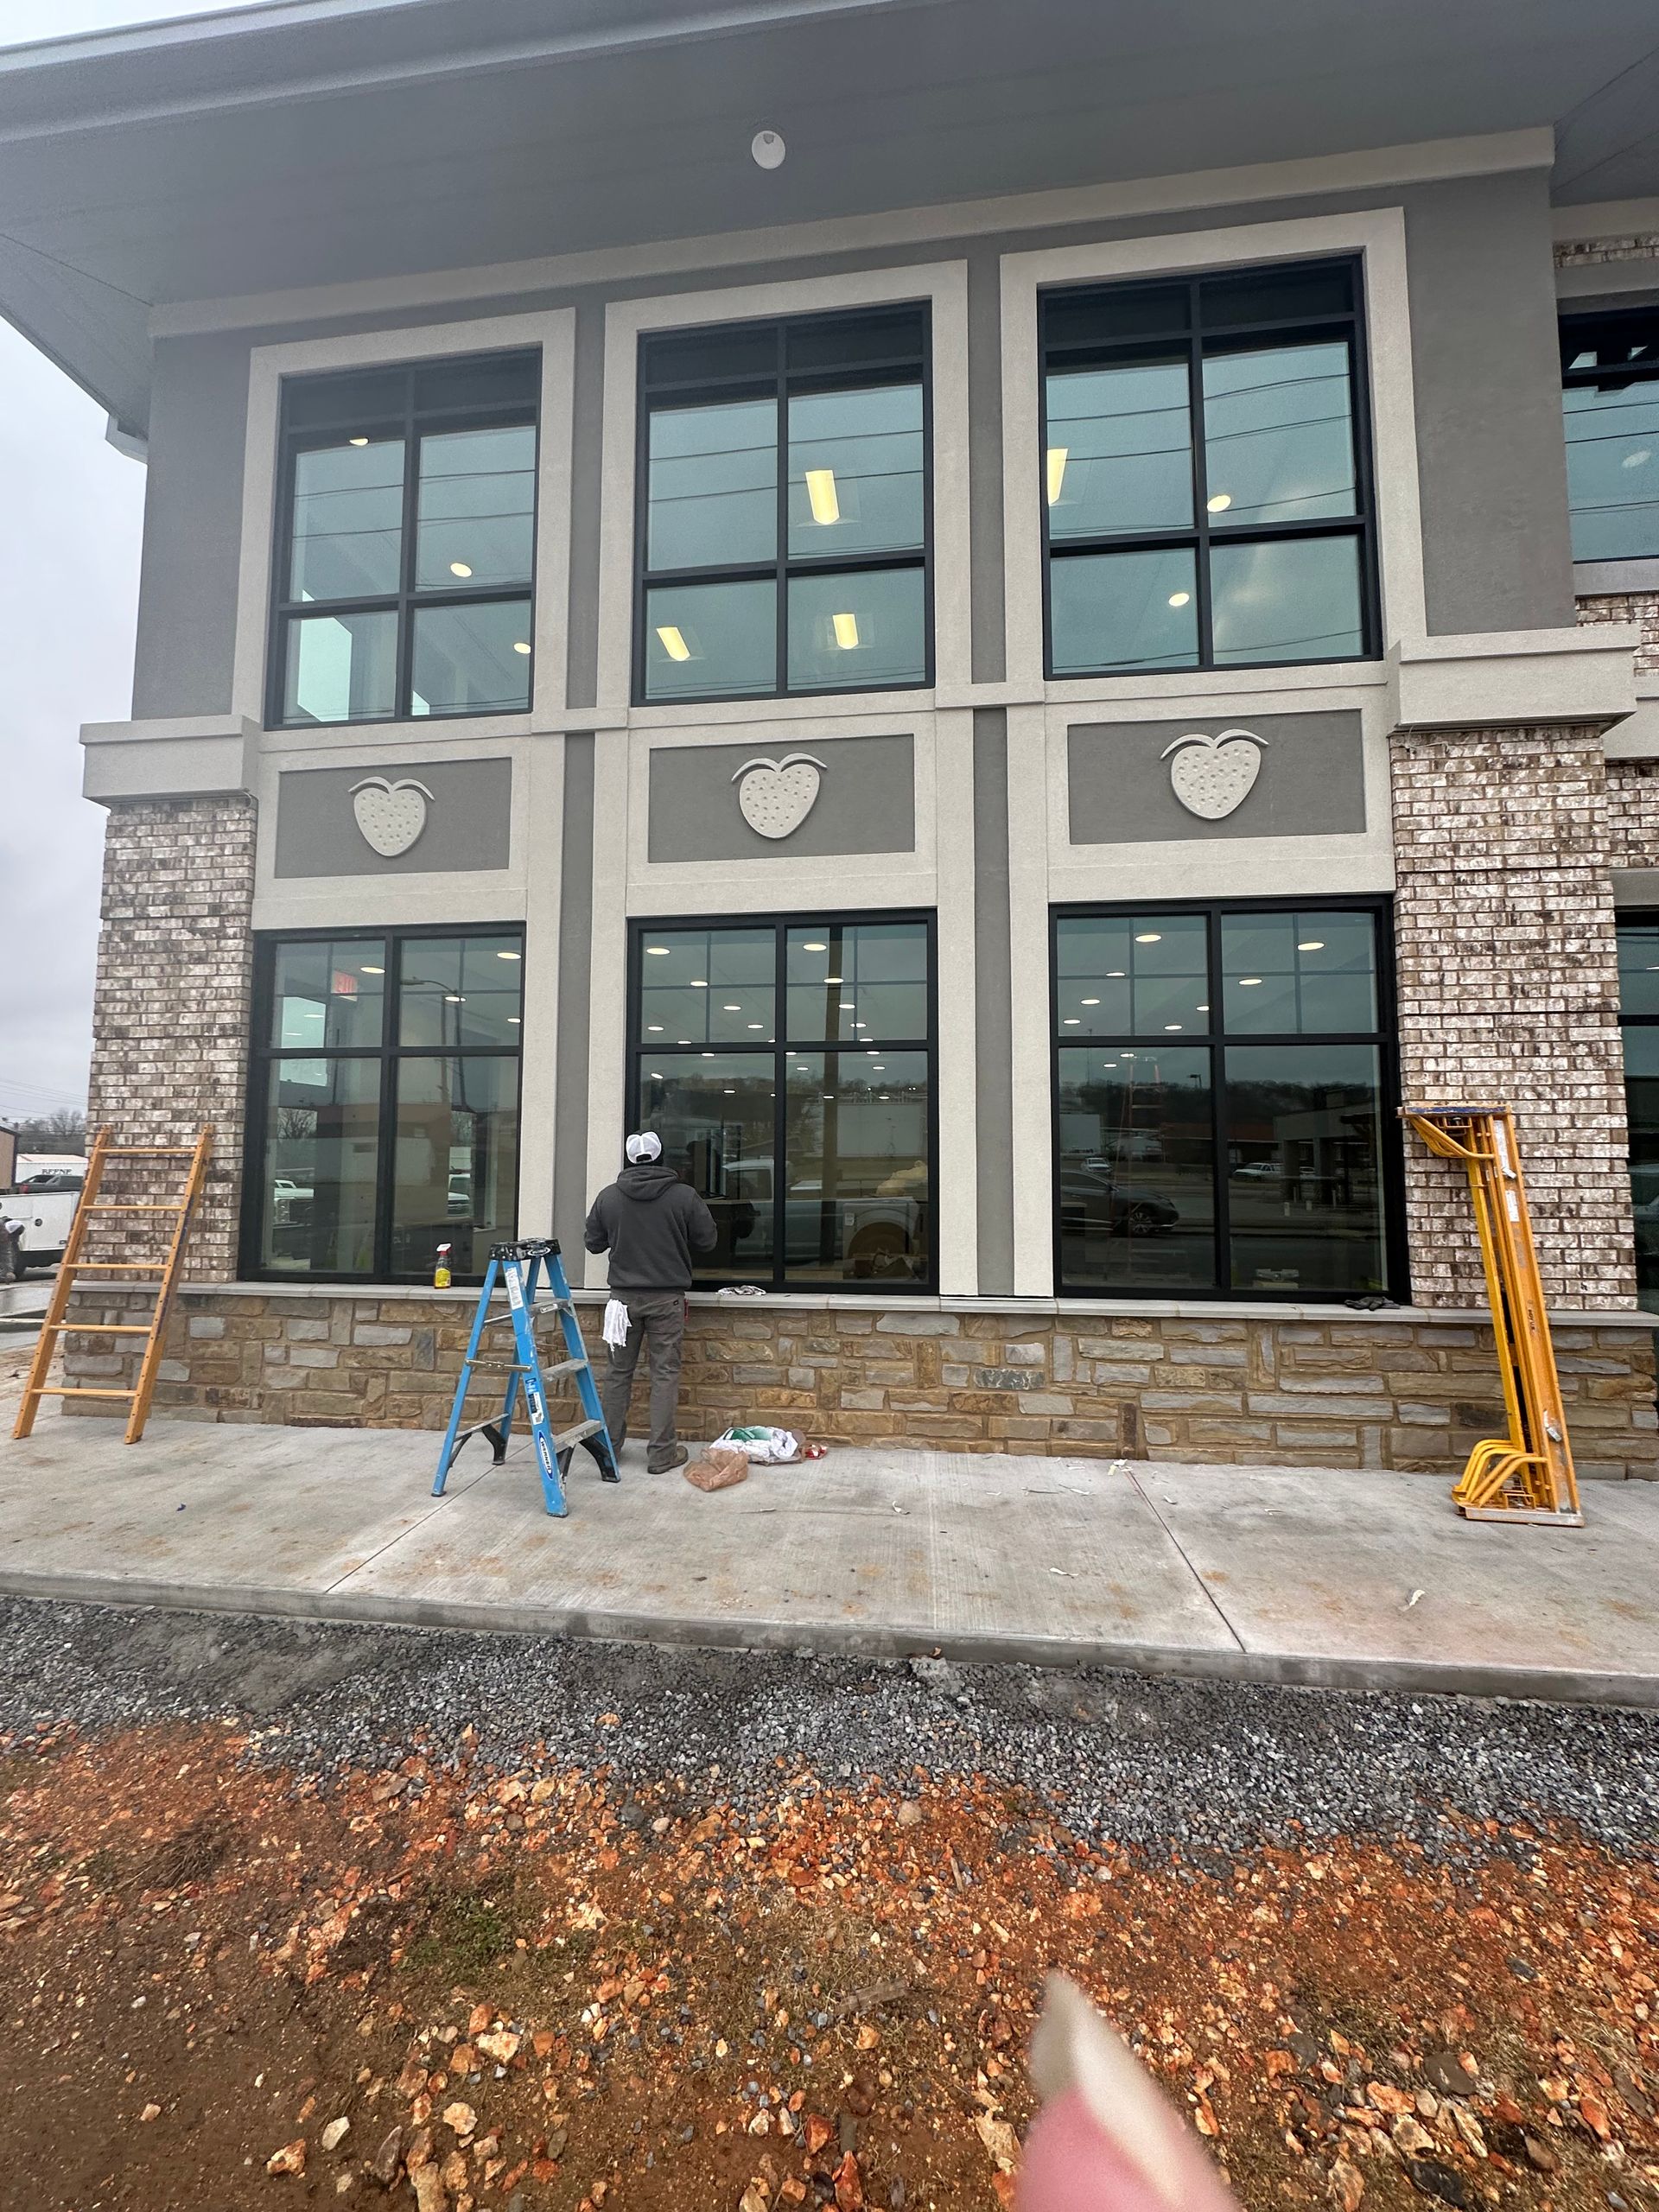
(441, 1271)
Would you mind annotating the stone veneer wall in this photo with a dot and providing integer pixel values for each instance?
(173, 1007)
(1508, 988)
(1408, 1391)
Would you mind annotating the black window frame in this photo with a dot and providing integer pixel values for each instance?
(264, 1056)
(1216, 1039)
(294, 438)
(808, 917)
(1573, 330)
(783, 566)
(1205, 529)
(1635, 917)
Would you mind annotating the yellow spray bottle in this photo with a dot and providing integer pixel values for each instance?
(440, 1273)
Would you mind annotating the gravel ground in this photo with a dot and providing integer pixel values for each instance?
(1142, 1761)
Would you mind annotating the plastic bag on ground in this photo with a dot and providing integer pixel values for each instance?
(769, 1447)
(717, 1469)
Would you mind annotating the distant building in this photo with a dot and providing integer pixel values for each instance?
(8, 1156)
(1008, 625)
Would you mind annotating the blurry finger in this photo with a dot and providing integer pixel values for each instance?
(1106, 2138)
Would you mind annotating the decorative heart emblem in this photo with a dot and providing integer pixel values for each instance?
(1213, 777)
(391, 816)
(777, 795)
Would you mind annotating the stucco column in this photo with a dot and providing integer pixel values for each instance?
(173, 1005)
(1508, 990)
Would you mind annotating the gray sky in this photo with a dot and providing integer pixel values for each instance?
(68, 585)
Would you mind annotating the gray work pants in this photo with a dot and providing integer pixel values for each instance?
(655, 1318)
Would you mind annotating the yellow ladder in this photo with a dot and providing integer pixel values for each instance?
(1527, 1475)
(76, 1265)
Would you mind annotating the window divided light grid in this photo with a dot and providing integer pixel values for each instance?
(783, 508)
(1225, 1095)
(404, 560)
(787, 1065)
(1205, 478)
(1609, 398)
(384, 1103)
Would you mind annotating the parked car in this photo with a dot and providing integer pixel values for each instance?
(882, 1232)
(1260, 1171)
(1091, 1201)
(45, 1203)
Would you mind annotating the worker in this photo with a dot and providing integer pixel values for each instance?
(650, 1223)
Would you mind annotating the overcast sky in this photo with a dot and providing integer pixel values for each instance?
(73, 511)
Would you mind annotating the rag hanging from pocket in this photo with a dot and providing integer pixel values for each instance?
(616, 1323)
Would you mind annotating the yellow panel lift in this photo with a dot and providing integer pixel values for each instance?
(1527, 1475)
(78, 1265)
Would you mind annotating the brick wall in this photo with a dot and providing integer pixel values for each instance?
(1636, 245)
(1509, 990)
(172, 1011)
(1641, 607)
(1404, 1391)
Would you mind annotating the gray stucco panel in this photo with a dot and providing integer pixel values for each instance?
(468, 820)
(866, 802)
(1311, 782)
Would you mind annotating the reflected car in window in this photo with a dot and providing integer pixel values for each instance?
(1091, 1201)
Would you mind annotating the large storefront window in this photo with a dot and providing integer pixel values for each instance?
(1223, 1102)
(405, 542)
(384, 1117)
(787, 1067)
(1638, 1014)
(1205, 472)
(1610, 376)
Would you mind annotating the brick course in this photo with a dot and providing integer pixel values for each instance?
(1409, 1392)
(1507, 985)
(172, 1013)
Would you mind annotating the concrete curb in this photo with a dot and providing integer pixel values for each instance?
(1546, 1684)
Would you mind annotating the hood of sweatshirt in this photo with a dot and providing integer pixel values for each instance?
(647, 1181)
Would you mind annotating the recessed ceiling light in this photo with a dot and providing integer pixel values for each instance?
(453, 998)
(1179, 597)
(1072, 1022)
(757, 1025)
(847, 1005)
(1056, 472)
(1218, 502)
(828, 979)
(520, 647)
(1108, 1063)
(1151, 936)
(367, 970)
(660, 951)
(654, 1028)
(729, 1009)
(509, 955)
(1171, 1027)
(822, 496)
(674, 643)
(1200, 1009)
(728, 1094)
(846, 629)
(699, 982)
(815, 947)
(1248, 982)
(1091, 1002)
(1114, 975)
(1313, 944)
(460, 568)
(1634, 460)
(708, 1056)
(359, 441)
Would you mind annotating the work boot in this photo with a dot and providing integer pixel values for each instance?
(676, 1459)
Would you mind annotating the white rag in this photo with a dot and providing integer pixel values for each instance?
(616, 1323)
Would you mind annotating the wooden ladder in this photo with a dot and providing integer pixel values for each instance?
(74, 1267)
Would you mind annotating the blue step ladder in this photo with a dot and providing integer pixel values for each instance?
(519, 1268)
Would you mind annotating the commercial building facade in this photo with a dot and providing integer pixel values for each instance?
(1013, 730)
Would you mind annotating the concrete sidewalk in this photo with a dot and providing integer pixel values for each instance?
(1287, 1575)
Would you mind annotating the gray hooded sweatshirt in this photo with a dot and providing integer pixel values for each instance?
(650, 1223)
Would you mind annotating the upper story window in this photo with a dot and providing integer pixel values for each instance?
(405, 542)
(1207, 472)
(783, 508)
(1610, 372)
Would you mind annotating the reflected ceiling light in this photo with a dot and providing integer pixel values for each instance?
(681, 1040)
(1128, 1056)
(1218, 502)
(822, 496)
(699, 982)
(453, 998)
(1200, 1009)
(757, 1025)
(708, 1056)
(880, 1068)
(1313, 944)
(1248, 982)
(1171, 1027)
(846, 629)
(654, 1028)
(359, 441)
(656, 1075)
(367, 970)
(460, 568)
(1634, 460)
(1114, 975)
(674, 643)
(815, 947)
(1108, 1063)
(728, 1094)
(509, 955)
(660, 951)
(1179, 597)
(1072, 1022)
(1151, 936)
(512, 1021)
(729, 1009)
(828, 979)
(520, 647)
(847, 1005)
(1056, 472)
(1091, 1002)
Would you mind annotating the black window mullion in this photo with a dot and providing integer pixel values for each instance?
(405, 705)
(781, 610)
(1200, 486)
(385, 1160)
(780, 1107)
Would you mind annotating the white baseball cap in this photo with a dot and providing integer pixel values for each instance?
(646, 1146)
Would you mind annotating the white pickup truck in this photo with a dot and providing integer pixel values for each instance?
(44, 1201)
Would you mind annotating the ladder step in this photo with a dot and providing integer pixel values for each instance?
(150, 1151)
(48, 1391)
(97, 1328)
(568, 1437)
(120, 1267)
(103, 1205)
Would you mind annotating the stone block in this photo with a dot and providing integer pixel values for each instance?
(919, 1325)
(207, 1324)
(375, 1332)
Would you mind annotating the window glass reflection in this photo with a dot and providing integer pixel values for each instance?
(708, 987)
(1135, 1167)
(1294, 599)
(857, 982)
(328, 996)
(855, 479)
(708, 641)
(1290, 973)
(1638, 967)
(347, 528)
(1119, 453)
(864, 631)
(1124, 611)
(712, 498)
(857, 1203)
(1278, 433)
(1132, 975)
(477, 506)
(339, 668)
(318, 1166)
(455, 1162)
(458, 991)
(472, 660)
(1304, 1175)
(716, 1117)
